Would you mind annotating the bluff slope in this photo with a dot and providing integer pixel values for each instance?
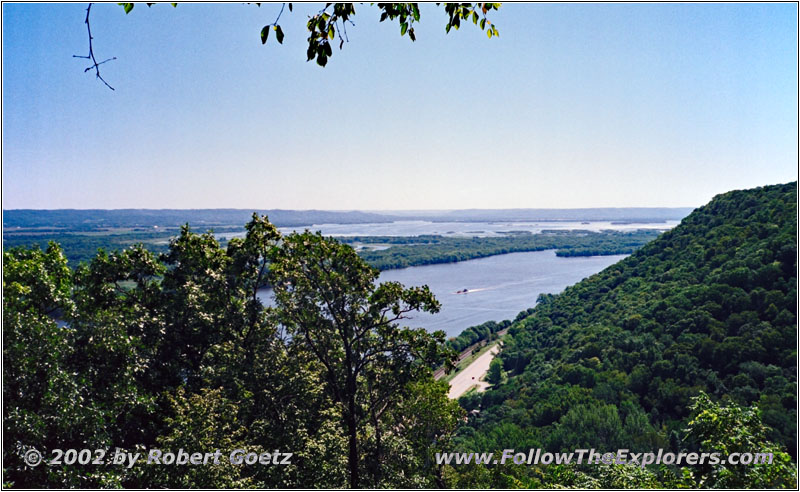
(613, 361)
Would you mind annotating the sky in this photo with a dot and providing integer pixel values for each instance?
(574, 105)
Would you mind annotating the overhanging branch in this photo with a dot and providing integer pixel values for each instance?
(95, 64)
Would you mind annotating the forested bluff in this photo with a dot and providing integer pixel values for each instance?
(689, 343)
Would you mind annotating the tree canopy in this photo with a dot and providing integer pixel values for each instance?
(329, 25)
(688, 345)
(617, 360)
(138, 351)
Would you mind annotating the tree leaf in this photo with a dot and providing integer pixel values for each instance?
(264, 34)
(290, 6)
(127, 6)
(279, 34)
(403, 28)
(411, 34)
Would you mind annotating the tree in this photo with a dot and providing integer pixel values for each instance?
(495, 374)
(734, 429)
(138, 351)
(330, 303)
(615, 359)
(39, 392)
(330, 23)
(179, 351)
(66, 384)
(429, 419)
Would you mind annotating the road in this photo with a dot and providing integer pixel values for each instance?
(439, 373)
(472, 374)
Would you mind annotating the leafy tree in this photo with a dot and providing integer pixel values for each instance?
(64, 386)
(205, 421)
(330, 23)
(329, 301)
(178, 351)
(733, 429)
(495, 374)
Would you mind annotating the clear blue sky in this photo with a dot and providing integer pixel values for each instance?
(574, 105)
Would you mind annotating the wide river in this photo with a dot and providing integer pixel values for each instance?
(468, 229)
(499, 287)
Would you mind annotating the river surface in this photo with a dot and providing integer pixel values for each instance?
(499, 287)
(470, 229)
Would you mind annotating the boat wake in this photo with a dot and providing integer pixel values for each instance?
(470, 291)
(499, 286)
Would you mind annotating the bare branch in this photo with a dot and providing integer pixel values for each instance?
(95, 65)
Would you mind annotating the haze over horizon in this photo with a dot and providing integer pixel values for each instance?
(573, 106)
(376, 211)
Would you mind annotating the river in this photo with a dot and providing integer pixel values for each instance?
(499, 287)
(461, 229)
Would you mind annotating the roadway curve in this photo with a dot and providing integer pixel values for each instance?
(473, 374)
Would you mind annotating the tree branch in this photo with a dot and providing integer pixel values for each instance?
(95, 65)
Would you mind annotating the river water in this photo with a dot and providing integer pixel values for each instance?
(469, 229)
(498, 287)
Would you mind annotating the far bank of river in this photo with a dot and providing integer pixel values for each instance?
(499, 287)
(463, 229)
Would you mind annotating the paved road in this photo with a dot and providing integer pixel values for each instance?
(439, 373)
(473, 374)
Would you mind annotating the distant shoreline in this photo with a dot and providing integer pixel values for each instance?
(100, 218)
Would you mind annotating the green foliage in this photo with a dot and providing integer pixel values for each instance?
(733, 429)
(475, 334)
(139, 352)
(63, 387)
(326, 25)
(427, 250)
(331, 21)
(36, 282)
(329, 301)
(81, 234)
(495, 374)
(204, 421)
(616, 359)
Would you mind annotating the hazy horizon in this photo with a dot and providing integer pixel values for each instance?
(376, 211)
(572, 106)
